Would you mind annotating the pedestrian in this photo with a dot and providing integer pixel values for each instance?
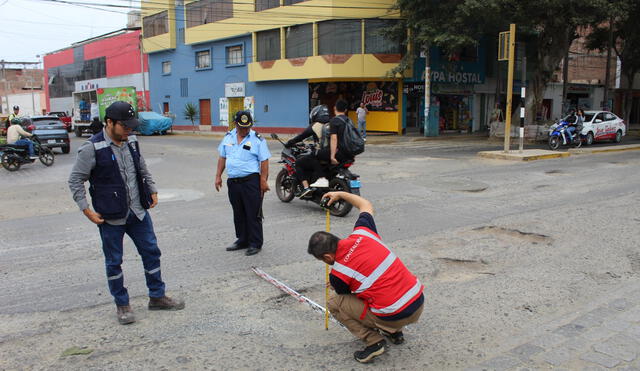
(96, 125)
(121, 190)
(361, 112)
(245, 155)
(375, 294)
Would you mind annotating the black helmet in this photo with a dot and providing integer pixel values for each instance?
(320, 114)
(243, 119)
(16, 108)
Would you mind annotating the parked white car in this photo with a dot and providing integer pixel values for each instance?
(600, 125)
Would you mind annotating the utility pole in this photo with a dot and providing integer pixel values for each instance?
(428, 130)
(523, 100)
(605, 104)
(6, 88)
(144, 84)
(507, 52)
(565, 78)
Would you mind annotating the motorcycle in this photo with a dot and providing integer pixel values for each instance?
(557, 136)
(13, 157)
(332, 178)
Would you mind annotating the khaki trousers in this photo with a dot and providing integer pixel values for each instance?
(348, 309)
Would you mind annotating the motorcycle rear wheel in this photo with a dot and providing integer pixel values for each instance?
(46, 156)
(340, 208)
(554, 142)
(577, 142)
(285, 186)
(10, 163)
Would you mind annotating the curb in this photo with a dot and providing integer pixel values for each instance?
(624, 148)
(499, 155)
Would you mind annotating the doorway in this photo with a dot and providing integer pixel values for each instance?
(205, 112)
(165, 107)
(235, 105)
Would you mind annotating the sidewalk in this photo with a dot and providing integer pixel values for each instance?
(604, 334)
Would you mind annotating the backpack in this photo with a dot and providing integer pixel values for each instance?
(351, 142)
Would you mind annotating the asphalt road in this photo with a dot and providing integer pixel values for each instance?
(501, 247)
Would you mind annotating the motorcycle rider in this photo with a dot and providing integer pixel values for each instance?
(14, 135)
(574, 127)
(308, 165)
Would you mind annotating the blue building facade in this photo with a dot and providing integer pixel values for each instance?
(213, 76)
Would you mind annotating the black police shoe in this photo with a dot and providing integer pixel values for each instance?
(369, 353)
(252, 251)
(236, 246)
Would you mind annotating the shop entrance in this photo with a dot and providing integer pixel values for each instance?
(415, 108)
(235, 105)
(455, 113)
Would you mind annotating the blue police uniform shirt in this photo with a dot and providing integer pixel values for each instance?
(243, 159)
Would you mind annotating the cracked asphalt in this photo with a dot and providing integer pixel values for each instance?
(504, 249)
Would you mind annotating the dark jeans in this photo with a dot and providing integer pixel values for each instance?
(246, 201)
(324, 155)
(142, 234)
(26, 143)
(307, 167)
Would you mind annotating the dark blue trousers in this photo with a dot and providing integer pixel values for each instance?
(246, 202)
(142, 234)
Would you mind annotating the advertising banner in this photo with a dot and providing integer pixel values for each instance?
(107, 96)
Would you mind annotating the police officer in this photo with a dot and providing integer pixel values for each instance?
(245, 155)
(121, 190)
(13, 116)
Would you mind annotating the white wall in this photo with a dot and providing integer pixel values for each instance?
(28, 106)
(61, 104)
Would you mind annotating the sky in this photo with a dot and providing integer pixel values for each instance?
(36, 27)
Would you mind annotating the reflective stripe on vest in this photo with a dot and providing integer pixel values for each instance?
(400, 302)
(100, 145)
(367, 282)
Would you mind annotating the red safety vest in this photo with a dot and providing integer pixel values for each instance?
(375, 274)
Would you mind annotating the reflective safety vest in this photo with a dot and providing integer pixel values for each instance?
(375, 274)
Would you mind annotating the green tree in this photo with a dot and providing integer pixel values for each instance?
(626, 42)
(546, 26)
(191, 113)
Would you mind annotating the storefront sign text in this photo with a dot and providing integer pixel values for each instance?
(233, 90)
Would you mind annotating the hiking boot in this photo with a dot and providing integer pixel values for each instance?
(369, 353)
(165, 303)
(125, 314)
(395, 338)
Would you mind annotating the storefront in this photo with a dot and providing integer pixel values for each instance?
(455, 104)
(381, 98)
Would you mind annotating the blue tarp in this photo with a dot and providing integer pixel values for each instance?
(153, 123)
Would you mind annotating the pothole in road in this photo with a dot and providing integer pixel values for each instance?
(554, 172)
(167, 194)
(527, 236)
(460, 270)
(461, 185)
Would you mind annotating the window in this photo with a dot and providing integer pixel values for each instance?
(375, 41)
(156, 24)
(208, 11)
(600, 117)
(203, 59)
(235, 55)
(299, 41)
(62, 78)
(266, 4)
(180, 35)
(609, 117)
(184, 87)
(268, 45)
(166, 68)
(340, 37)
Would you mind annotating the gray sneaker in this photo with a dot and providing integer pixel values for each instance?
(125, 315)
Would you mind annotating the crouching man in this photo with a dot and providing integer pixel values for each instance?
(376, 294)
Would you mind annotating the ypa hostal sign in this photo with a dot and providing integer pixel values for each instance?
(234, 90)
